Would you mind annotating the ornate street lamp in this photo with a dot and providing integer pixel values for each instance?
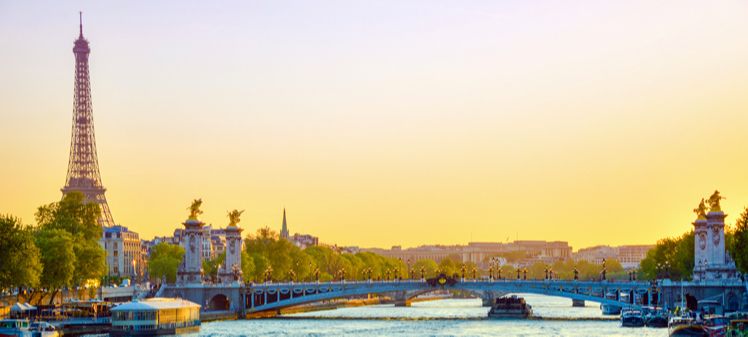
(603, 272)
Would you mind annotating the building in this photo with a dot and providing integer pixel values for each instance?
(124, 252)
(596, 254)
(480, 253)
(284, 227)
(304, 240)
(630, 256)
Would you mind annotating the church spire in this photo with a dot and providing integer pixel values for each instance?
(284, 228)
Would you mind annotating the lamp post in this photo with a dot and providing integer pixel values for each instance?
(409, 274)
(603, 272)
(133, 271)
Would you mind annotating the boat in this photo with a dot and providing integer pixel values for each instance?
(43, 329)
(716, 325)
(737, 328)
(686, 326)
(610, 309)
(656, 319)
(155, 316)
(632, 318)
(15, 328)
(510, 307)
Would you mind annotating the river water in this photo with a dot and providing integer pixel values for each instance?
(449, 317)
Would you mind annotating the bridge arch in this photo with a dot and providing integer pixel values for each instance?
(219, 302)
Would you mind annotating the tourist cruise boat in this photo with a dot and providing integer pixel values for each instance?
(155, 316)
(510, 307)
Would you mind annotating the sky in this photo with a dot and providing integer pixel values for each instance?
(380, 123)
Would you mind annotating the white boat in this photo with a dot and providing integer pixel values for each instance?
(22, 328)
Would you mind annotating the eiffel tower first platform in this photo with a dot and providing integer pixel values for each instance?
(83, 166)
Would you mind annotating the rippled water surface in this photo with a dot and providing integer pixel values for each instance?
(451, 317)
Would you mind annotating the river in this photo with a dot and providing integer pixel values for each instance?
(449, 317)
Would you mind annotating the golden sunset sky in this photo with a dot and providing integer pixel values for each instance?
(379, 123)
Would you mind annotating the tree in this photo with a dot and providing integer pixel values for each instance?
(21, 265)
(78, 218)
(671, 258)
(450, 266)
(212, 266)
(90, 261)
(739, 245)
(73, 215)
(58, 259)
(164, 261)
(428, 265)
(248, 266)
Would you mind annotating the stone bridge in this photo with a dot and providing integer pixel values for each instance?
(240, 298)
(275, 296)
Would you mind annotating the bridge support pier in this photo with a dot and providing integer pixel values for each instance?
(401, 299)
(488, 298)
(577, 303)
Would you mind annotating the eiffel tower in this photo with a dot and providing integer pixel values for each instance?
(83, 165)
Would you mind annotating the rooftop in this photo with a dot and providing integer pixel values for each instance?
(157, 303)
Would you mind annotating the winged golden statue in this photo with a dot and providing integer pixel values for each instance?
(195, 208)
(701, 210)
(234, 217)
(714, 202)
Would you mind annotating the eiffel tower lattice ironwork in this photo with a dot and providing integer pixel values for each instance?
(83, 166)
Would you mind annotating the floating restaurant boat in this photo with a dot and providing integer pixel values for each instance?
(510, 307)
(155, 316)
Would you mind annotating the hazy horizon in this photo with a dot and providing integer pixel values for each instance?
(388, 123)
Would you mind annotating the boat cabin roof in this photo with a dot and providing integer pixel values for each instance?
(155, 304)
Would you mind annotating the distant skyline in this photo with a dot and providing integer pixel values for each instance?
(388, 122)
